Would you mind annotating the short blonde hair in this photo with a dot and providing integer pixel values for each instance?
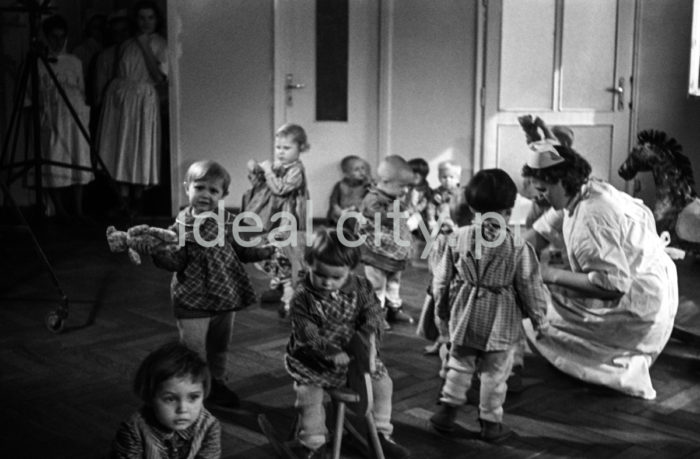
(450, 166)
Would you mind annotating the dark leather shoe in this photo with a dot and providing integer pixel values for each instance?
(494, 432)
(444, 420)
(395, 315)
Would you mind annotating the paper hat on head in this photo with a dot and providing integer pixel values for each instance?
(543, 154)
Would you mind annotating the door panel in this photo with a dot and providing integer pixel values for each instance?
(584, 73)
(295, 55)
(559, 64)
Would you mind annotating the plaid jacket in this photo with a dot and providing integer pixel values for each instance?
(142, 437)
(209, 280)
(485, 296)
(322, 326)
(384, 252)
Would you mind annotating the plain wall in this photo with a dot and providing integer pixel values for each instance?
(221, 87)
(432, 77)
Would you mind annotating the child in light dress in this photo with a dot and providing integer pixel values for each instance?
(281, 186)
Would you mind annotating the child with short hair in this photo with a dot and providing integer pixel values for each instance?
(172, 382)
(209, 282)
(448, 199)
(280, 186)
(419, 196)
(348, 193)
(330, 306)
(483, 285)
(386, 258)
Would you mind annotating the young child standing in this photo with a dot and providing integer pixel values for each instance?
(172, 383)
(209, 283)
(482, 286)
(331, 305)
(348, 193)
(282, 185)
(448, 199)
(385, 259)
(419, 196)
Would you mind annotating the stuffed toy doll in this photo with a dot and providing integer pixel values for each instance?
(141, 239)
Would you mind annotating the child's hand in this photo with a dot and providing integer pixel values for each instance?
(341, 359)
(266, 166)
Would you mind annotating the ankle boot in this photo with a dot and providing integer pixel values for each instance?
(444, 419)
(494, 432)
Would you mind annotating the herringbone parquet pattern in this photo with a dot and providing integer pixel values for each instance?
(65, 394)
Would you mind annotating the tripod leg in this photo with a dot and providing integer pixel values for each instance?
(55, 319)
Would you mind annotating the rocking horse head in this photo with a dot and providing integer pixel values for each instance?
(672, 172)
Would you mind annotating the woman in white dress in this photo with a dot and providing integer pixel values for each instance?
(130, 124)
(612, 314)
(61, 138)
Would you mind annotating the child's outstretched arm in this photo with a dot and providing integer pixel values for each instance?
(291, 181)
(169, 258)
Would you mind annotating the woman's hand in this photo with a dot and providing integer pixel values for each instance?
(549, 274)
(341, 359)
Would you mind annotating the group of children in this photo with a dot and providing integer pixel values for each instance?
(479, 294)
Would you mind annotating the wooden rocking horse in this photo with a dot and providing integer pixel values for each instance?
(677, 207)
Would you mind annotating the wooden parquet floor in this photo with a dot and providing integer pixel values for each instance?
(65, 394)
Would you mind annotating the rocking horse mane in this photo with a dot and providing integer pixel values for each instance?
(661, 141)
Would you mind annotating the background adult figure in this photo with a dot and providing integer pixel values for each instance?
(61, 138)
(612, 313)
(130, 123)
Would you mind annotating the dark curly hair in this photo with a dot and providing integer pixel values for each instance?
(573, 171)
(491, 190)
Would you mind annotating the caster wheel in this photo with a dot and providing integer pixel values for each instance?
(54, 322)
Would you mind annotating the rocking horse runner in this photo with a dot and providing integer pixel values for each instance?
(677, 207)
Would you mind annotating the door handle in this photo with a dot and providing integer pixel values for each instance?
(619, 90)
(289, 85)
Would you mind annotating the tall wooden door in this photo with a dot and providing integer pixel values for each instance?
(568, 62)
(326, 80)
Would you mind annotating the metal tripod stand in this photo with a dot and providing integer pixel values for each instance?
(37, 54)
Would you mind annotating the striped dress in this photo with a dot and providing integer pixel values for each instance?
(142, 437)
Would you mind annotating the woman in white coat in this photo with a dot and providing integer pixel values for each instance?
(612, 314)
